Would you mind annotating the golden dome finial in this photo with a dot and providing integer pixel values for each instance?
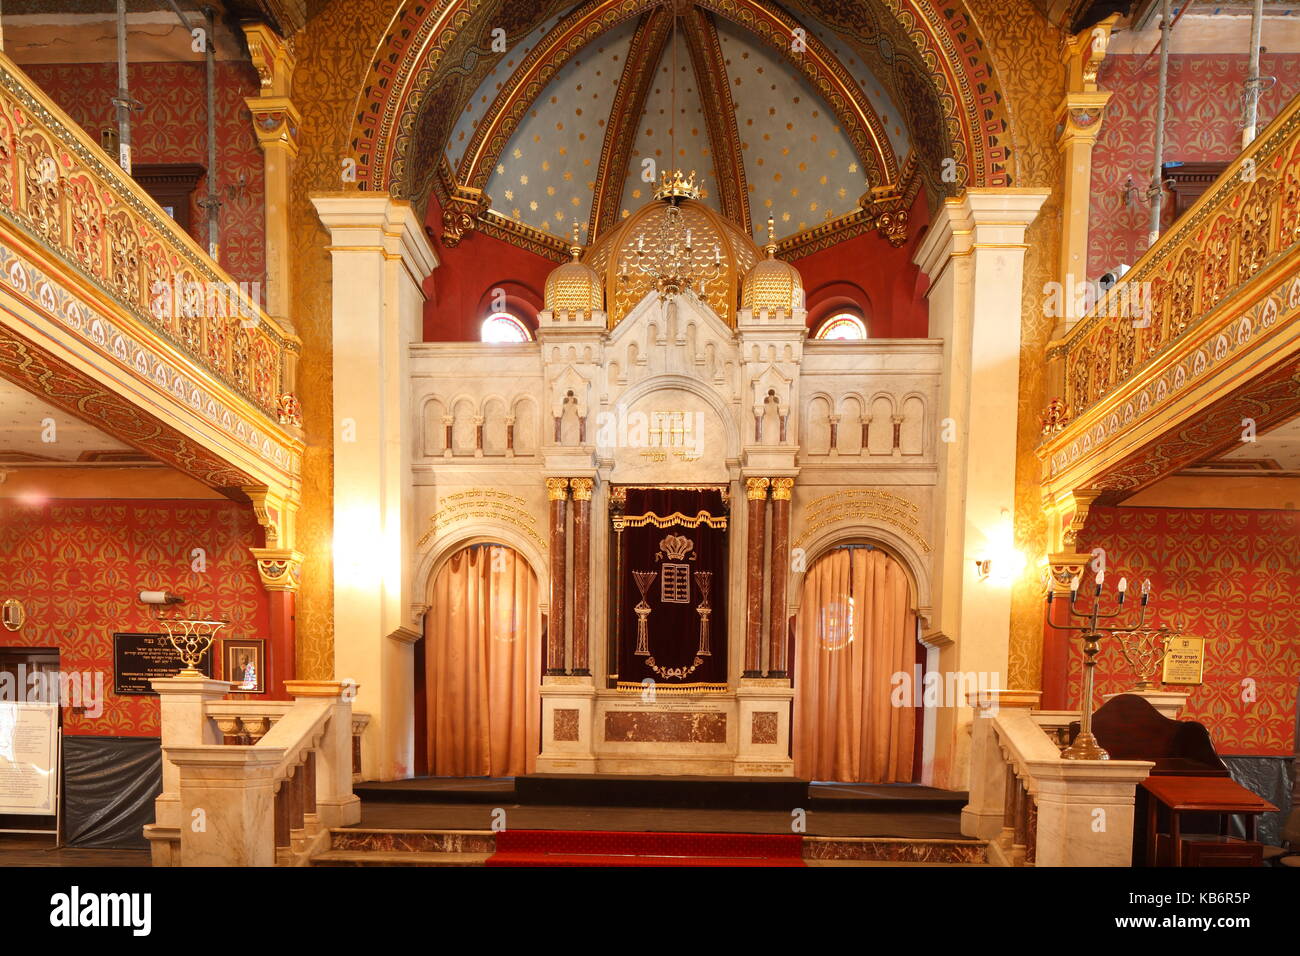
(574, 286)
(772, 285)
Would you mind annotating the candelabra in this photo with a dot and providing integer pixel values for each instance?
(1085, 746)
(192, 638)
(668, 260)
(1145, 652)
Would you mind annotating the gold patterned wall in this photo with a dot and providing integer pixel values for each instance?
(1023, 46)
(333, 52)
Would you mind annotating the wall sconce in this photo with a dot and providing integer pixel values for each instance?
(998, 559)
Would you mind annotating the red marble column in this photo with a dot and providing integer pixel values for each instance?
(280, 570)
(756, 495)
(581, 573)
(778, 640)
(557, 491)
(280, 649)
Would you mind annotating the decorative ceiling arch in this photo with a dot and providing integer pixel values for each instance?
(817, 64)
(930, 60)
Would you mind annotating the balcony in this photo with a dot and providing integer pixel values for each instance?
(109, 309)
(1199, 337)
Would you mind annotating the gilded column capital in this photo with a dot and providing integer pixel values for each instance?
(1063, 567)
(781, 488)
(557, 489)
(279, 568)
(756, 488)
(1079, 117)
(581, 488)
(275, 121)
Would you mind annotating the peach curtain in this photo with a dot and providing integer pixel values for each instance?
(855, 630)
(483, 665)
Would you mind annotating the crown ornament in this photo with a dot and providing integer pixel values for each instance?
(676, 546)
(673, 189)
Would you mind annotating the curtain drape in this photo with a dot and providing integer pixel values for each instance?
(855, 630)
(483, 665)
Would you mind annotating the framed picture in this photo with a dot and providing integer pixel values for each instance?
(243, 663)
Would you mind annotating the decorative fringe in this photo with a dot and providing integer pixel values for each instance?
(676, 518)
(670, 689)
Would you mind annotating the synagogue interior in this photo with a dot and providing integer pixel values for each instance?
(650, 432)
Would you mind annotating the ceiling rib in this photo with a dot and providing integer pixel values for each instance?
(714, 86)
(625, 117)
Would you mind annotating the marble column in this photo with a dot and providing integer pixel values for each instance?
(581, 573)
(756, 495)
(557, 491)
(778, 638)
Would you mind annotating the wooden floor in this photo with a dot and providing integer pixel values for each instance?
(25, 850)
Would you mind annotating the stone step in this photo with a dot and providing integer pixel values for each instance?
(412, 840)
(397, 858)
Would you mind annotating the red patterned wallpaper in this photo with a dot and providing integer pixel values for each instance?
(78, 567)
(173, 129)
(1204, 113)
(1230, 576)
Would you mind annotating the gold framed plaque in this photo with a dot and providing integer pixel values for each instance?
(1184, 660)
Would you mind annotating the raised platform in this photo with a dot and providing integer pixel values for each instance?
(686, 792)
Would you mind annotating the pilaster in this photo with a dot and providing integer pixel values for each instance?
(974, 257)
(381, 258)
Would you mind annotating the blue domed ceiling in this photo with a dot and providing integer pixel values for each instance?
(582, 141)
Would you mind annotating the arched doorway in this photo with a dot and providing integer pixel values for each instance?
(855, 630)
(477, 680)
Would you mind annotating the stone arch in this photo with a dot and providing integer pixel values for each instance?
(431, 561)
(889, 541)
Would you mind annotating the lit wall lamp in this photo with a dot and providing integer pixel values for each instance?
(999, 559)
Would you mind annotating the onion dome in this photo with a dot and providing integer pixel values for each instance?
(772, 285)
(574, 286)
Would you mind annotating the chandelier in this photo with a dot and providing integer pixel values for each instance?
(669, 259)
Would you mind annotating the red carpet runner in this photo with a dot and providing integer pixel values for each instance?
(614, 848)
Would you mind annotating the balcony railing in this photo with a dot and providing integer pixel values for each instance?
(1177, 306)
(63, 195)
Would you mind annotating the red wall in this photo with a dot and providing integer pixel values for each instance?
(865, 271)
(78, 566)
(1230, 576)
(173, 129)
(1204, 110)
(461, 288)
(879, 277)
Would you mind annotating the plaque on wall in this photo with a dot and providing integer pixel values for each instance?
(1184, 660)
(139, 658)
